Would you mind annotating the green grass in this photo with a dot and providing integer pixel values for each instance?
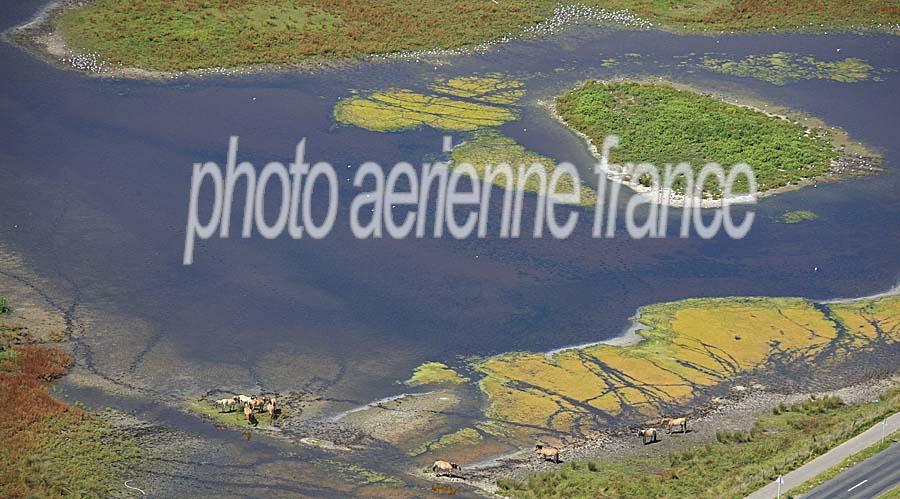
(651, 121)
(4, 305)
(778, 443)
(891, 494)
(172, 35)
(845, 464)
(233, 418)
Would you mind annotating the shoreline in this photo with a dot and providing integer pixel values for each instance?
(736, 410)
(861, 161)
(319, 431)
(39, 37)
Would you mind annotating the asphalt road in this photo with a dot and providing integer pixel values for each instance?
(876, 475)
(834, 457)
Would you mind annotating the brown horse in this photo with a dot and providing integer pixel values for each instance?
(672, 423)
(547, 452)
(248, 413)
(445, 467)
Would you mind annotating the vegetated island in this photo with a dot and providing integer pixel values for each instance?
(144, 38)
(650, 120)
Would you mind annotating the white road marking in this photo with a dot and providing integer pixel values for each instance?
(857, 485)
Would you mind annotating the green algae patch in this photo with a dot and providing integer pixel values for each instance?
(458, 104)
(396, 110)
(435, 373)
(650, 120)
(797, 216)
(780, 68)
(495, 89)
(464, 436)
(690, 345)
(360, 475)
(488, 149)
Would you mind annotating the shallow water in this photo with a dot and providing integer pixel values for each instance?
(95, 177)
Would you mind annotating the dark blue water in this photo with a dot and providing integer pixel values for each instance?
(95, 176)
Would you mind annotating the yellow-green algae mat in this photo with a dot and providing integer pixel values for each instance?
(465, 103)
(458, 104)
(691, 345)
(780, 68)
(488, 149)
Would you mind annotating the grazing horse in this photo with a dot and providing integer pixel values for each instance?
(248, 413)
(675, 423)
(226, 404)
(548, 453)
(648, 435)
(256, 404)
(445, 467)
(270, 408)
(243, 399)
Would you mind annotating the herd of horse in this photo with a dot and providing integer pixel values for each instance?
(250, 405)
(549, 453)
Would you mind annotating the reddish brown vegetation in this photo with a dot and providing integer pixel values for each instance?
(27, 407)
(41, 362)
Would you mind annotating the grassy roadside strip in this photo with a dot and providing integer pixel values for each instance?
(845, 464)
(778, 442)
(891, 494)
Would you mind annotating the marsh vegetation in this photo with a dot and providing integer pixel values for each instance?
(50, 448)
(651, 120)
(191, 34)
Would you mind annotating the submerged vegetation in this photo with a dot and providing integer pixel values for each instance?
(785, 67)
(777, 443)
(650, 121)
(49, 448)
(459, 104)
(175, 35)
(797, 216)
(490, 149)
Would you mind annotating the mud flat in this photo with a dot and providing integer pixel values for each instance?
(735, 412)
(718, 361)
